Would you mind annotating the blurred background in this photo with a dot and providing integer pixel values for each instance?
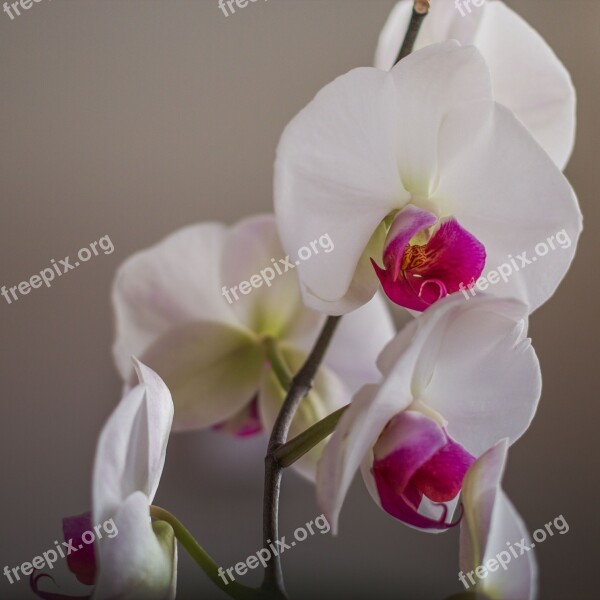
(132, 118)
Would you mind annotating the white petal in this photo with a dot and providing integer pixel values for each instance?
(538, 89)
(477, 343)
(451, 354)
(358, 340)
(213, 371)
(429, 84)
(131, 449)
(504, 189)
(174, 282)
(137, 564)
(253, 254)
(327, 395)
(336, 173)
(489, 526)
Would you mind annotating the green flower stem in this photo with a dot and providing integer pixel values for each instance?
(278, 364)
(203, 559)
(297, 447)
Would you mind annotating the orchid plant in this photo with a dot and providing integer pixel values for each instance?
(442, 160)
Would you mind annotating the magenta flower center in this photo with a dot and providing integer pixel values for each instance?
(421, 269)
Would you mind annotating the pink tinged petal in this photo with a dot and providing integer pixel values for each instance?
(245, 423)
(416, 276)
(174, 282)
(490, 521)
(414, 458)
(83, 562)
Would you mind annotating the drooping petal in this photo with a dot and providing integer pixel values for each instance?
(538, 90)
(82, 563)
(177, 281)
(513, 200)
(131, 449)
(490, 524)
(412, 459)
(140, 561)
(418, 274)
(327, 395)
(213, 371)
(357, 431)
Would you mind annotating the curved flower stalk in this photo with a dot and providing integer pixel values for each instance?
(527, 76)
(138, 560)
(423, 180)
(227, 363)
(436, 410)
(491, 523)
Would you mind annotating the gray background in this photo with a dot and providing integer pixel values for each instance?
(133, 118)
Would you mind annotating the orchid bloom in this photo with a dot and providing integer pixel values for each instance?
(527, 76)
(490, 525)
(423, 180)
(139, 557)
(417, 432)
(172, 310)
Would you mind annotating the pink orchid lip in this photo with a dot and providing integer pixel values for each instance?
(245, 423)
(415, 460)
(82, 562)
(415, 276)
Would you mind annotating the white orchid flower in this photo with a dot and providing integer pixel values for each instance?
(176, 308)
(527, 76)
(422, 180)
(132, 558)
(489, 528)
(437, 409)
(141, 561)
